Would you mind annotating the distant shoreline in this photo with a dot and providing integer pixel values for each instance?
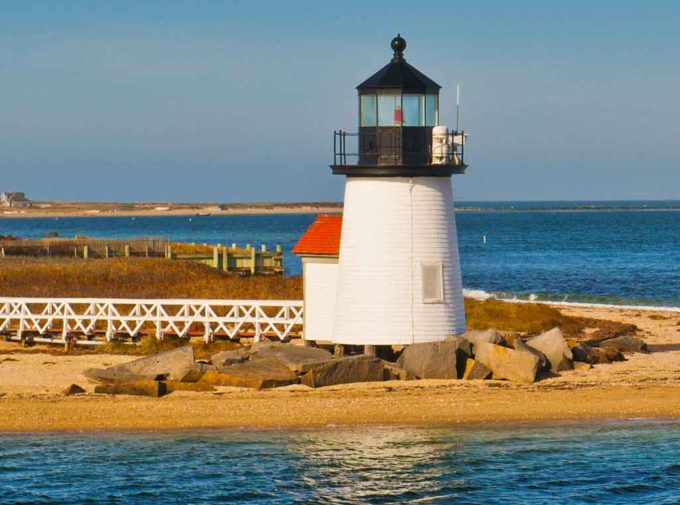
(48, 209)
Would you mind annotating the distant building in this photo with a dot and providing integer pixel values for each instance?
(14, 199)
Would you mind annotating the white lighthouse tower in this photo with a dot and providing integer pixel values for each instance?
(398, 278)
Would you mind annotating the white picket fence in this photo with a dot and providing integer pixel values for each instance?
(95, 321)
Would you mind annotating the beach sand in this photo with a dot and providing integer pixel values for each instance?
(646, 385)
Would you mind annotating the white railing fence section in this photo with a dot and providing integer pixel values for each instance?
(59, 319)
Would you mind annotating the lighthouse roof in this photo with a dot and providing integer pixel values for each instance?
(399, 75)
(322, 238)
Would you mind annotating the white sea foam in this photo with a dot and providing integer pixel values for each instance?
(477, 294)
(481, 295)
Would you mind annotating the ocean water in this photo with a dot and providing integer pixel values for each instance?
(601, 252)
(594, 462)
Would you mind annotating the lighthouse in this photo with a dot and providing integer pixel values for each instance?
(398, 273)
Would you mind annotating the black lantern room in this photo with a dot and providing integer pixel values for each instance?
(398, 120)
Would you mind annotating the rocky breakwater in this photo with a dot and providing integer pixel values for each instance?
(476, 355)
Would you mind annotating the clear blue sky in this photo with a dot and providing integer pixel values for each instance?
(237, 100)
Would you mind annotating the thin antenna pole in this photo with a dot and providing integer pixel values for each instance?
(457, 106)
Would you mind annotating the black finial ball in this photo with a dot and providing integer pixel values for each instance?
(398, 44)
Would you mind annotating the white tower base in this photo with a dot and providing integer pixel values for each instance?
(399, 276)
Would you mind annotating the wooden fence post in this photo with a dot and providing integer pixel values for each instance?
(127, 250)
(216, 257)
(86, 252)
(106, 251)
(253, 258)
(225, 259)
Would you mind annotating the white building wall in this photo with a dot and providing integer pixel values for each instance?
(320, 281)
(390, 227)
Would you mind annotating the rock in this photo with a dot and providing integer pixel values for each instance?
(173, 364)
(394, 373)
(173, 386)
(195, 373)
(226, 358)
(264, 373)
(487, 336)
(345, 370)
(436, 360)
(582, 352)
(624, 344)
(73, 389)
(507, 363)
(298, 359)
(605, 355)
(519, 344)
(474, 370)
(137, 388)
(552, 344)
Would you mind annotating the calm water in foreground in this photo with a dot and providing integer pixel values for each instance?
(618, 254)
(597, 462)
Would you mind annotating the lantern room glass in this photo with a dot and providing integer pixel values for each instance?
(369, 110)
(395, 109)
(414, 110)
(431, 109)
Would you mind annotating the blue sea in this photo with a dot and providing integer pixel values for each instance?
(606, 252)
(608, 462)
(597, 252)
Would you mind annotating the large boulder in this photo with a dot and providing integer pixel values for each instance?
(474, 370)
(520, 345)
(585, 353)
(297, 358)
(504, 363)
(345, 370)
(483, 336)
(624, 344)
(143, 387)
(231, 357)
(264, 373)
(554, 346)
(194, 374)
(174, 364)
(582, 352)
(436, 360)
(394, 373)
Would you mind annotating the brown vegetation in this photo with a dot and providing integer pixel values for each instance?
(136, 278)
(161, 278)
(536, 317)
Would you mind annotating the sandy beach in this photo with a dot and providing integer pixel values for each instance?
(646, 385)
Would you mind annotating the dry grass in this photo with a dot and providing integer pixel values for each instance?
(136, 278)
(161, 278)
(535, 317)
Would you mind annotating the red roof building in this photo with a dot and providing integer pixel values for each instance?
(322, 238)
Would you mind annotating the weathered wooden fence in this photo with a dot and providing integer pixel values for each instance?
(97, 321)
(243, 260)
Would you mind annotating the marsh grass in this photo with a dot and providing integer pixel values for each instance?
(136, 278)
(160, 278)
